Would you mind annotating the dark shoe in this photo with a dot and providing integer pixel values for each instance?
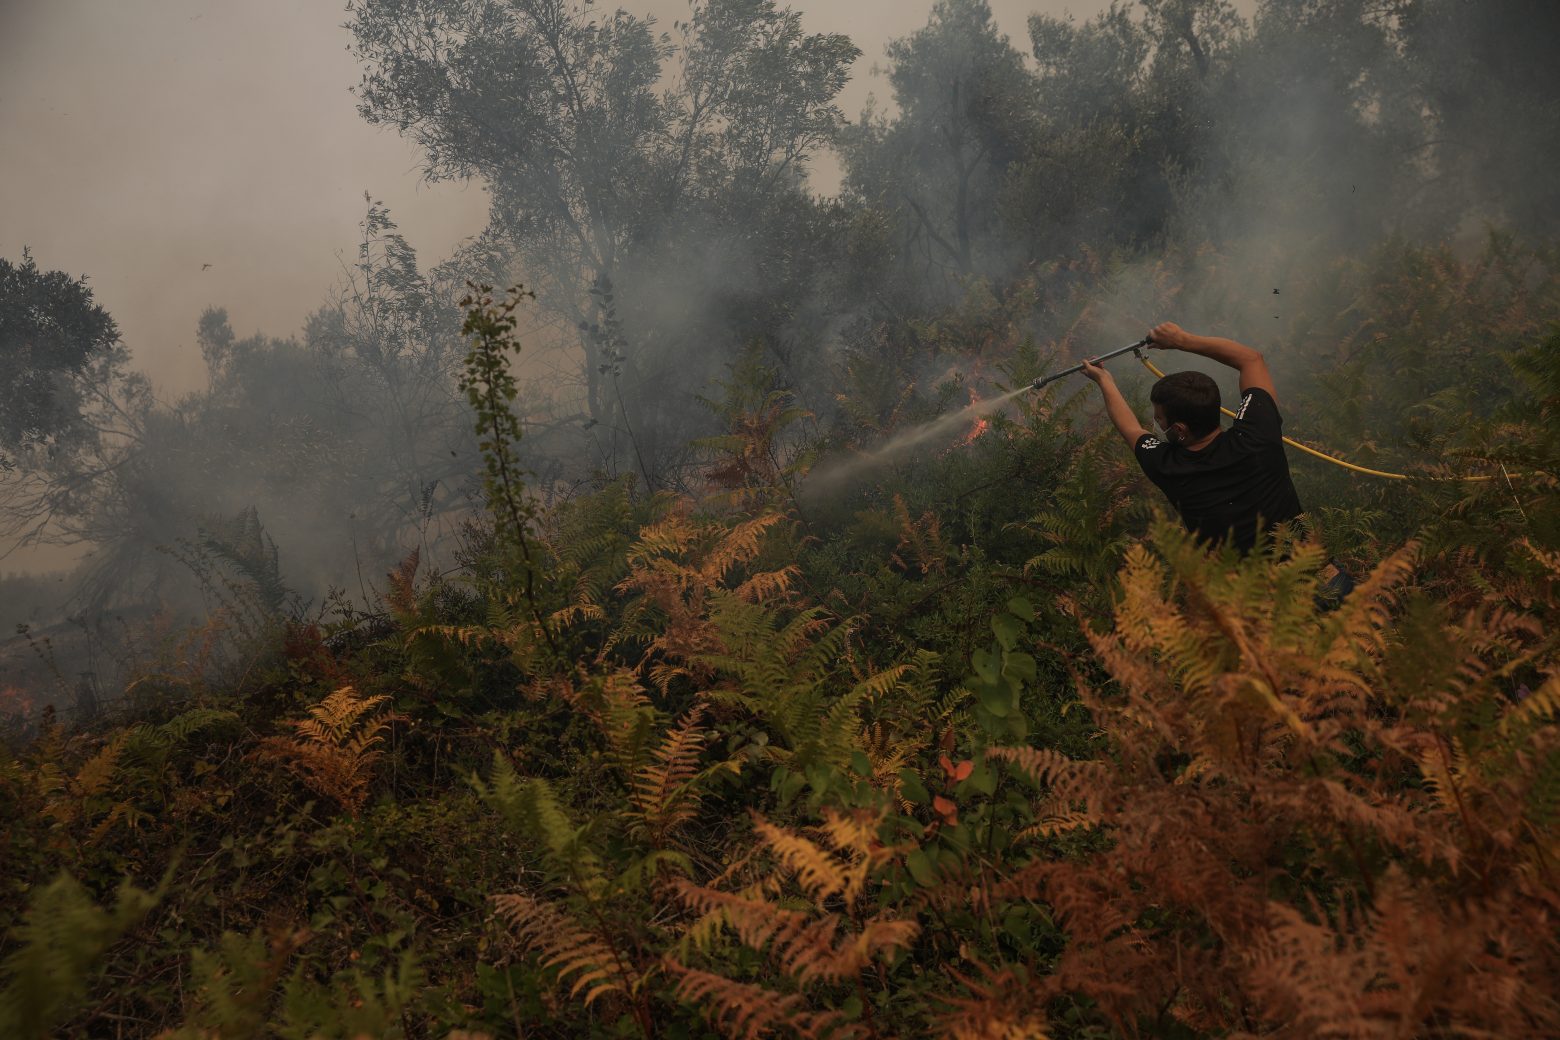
(1335, 587)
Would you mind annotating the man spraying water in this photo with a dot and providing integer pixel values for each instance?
(1226, 484)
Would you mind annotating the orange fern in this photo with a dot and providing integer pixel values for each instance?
(664, 795)
(744, 1011)
(675, 567)
(808, 946)
(920, 541)
(582, 961)
(336, 747)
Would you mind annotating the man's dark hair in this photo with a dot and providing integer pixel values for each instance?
(1191, 398)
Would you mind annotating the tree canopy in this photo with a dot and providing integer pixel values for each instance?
(620, 158)
(51, 333)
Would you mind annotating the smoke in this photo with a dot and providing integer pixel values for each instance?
(1317, 136)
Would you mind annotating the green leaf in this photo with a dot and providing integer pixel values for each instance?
(1022, 607)
(984, 778)
(1020, 665)
(1018, 726)
(790, 786)
(1007, 629)
(987, 665)
(995, 698)
(1016, 924)
(921, 868)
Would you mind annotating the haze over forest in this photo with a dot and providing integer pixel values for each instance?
(184, 132)
(187, 156)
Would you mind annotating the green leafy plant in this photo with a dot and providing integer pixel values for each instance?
(491, 389)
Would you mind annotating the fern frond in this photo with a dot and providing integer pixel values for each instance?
(768, 586)
(1542, 703)
(743, 1011)
(402, 597)
(887, 755)
(739, 545)
(618, 705)
(234, 986)
(531, 810)
(53, 949)
(881, 684)
(921, 540)
(466, 636)
(818, 871)
(334, 717)
(667, 537)
(180, 728)
(998, 1007)
(1042, 765)
(97, 772)
(663, 795)
(580, 957)
(808, 945)
(332, 759)
(1060, 823)
(575, 613)
(855, 832)
(833, 738)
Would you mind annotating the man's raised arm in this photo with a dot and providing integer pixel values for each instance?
(1253, 369)
(1115, 405)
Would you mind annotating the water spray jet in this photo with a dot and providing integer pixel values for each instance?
(831, 475)
(836, 473)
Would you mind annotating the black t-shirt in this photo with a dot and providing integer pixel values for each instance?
(1234, 486)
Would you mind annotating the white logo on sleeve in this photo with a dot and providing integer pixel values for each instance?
(1244, 403)
(1150, 443)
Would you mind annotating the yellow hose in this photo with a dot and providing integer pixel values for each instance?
(1323, 455)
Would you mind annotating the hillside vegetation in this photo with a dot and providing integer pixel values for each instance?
(983, 751)
(714, 639)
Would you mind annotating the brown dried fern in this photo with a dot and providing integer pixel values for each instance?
(336, 747)
(743, 1011)
(1247, 729)
(581, 959)
(817, 945)
(674, 568)
(664, 795)
(402, 597)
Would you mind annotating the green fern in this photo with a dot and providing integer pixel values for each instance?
(531, 810)
(1093, 516)
(788, 668)
(253, 986)
(587, 540)
(235, 985)
(54, 949)
(149, 748)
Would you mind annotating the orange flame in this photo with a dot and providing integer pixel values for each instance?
(982, 424)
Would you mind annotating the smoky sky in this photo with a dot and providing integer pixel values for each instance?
(144, 141)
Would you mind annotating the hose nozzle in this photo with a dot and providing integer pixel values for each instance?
(1135, 348)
